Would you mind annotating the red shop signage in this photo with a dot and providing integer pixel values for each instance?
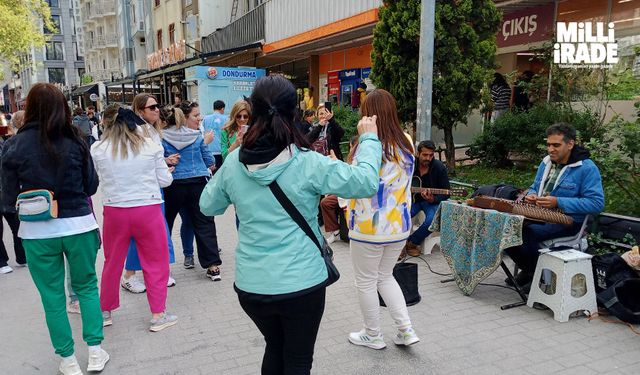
(526, 26)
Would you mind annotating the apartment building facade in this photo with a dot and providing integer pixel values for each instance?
(60, 61)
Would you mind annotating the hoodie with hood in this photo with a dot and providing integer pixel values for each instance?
(195, 158)
(274, 256)
(578, 186)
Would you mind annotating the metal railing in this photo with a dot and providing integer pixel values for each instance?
(245, 30)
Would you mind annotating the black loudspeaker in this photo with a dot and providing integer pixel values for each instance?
(406, 274)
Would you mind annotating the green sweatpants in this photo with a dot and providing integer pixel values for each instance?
(46, 264)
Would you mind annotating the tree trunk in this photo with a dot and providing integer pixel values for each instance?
(450, 151)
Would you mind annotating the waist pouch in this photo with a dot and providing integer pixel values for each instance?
(36, 205)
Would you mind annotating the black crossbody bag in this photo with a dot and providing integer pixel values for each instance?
(325, 251)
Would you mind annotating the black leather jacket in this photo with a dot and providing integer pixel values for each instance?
(26, 165)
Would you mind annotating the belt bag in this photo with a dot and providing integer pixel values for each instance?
(36, 205)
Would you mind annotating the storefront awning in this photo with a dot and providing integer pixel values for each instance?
(90, 89)
(246, 52)
(172, 68)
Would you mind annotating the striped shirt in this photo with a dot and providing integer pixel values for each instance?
(500, 95)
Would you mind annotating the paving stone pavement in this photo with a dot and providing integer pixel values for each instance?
(459, 334)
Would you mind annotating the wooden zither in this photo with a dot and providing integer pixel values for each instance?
(527, 210)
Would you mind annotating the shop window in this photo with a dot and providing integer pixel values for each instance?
(582, 10)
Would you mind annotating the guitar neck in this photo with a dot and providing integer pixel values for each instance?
(432, 191)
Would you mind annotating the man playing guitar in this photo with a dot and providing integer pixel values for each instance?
(428, 173)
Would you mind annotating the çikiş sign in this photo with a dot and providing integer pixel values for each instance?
(527, 26)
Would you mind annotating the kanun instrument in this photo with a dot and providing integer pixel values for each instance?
(530, 211)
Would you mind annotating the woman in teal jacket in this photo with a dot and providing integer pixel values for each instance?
(280, 275)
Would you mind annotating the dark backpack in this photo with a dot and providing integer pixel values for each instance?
(608, 269)
(622, 300)
(503, 191)
(84, 124)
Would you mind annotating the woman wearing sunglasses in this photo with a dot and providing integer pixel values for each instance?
(233, 131)
(146, 107)
(189, 179)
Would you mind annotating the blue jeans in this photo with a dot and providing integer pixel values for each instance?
(423, 232)
(187, 234)
(526, 256)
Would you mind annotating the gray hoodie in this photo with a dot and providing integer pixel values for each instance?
(180, 138)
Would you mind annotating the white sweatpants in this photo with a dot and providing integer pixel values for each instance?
(373, 268)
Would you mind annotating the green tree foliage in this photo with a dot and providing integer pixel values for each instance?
(21, 27)
(464, 58)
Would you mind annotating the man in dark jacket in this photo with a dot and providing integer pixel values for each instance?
(428, 173)
(12, 219)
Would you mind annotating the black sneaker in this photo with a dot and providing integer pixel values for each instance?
(214, 274)
(188, 263)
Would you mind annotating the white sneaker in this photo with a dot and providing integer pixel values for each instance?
(97, 360)
(73, 307)
(5, 269)
(171, 282)
(406, 338)
(133, 285)
(333, 236)
(106, 318)
(361, 338)
(71, 368)
(165, 320)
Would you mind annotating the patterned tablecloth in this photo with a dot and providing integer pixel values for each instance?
(472, 240)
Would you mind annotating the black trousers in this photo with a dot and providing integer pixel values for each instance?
(187, 195)
(289, 328)
(14, 224)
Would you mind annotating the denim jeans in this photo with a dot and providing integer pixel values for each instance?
(423, 232)
(186, 233)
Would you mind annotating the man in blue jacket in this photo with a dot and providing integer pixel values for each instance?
(214, 122)
(568, 180)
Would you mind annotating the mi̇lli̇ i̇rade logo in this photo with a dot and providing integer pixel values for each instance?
(585, 45)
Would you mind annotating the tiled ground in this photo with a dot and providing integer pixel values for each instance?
(460, 335)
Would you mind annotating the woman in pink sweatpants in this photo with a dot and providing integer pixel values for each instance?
(132, 170)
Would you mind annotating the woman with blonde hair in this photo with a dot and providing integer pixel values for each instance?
(233, 131)
(132, 211)
(189, 179)
(147, 108)
(379, 227)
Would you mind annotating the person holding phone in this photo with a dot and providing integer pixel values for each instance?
(326, 133)
(234, 130)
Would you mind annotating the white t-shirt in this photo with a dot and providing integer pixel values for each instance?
(54, 228)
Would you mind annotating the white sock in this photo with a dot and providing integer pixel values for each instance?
(69, 359)
(94, 348)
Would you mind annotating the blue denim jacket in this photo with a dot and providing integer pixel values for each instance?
(578, 188)
(195, 158)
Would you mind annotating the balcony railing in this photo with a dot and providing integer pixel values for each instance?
(245, 30)
(106, 8)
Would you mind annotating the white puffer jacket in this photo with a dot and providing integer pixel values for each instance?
(131, 182)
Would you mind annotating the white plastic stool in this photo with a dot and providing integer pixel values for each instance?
(426, 247)
(567, 265)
